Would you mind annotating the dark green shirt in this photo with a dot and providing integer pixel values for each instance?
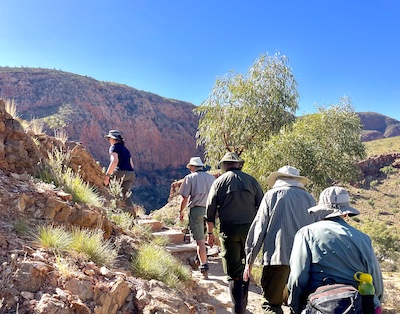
(234, 197)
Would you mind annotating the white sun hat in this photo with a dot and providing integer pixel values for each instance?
(287, 172)
(195, 161)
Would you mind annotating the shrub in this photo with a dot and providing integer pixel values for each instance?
(53, 237)
(92, 244)
(61, 135)
(153, 262)
(388, 170)
(386, 240)
(122, 219)
(55, 170)
(80, 190)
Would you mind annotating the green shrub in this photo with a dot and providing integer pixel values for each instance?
(154, 262)
(92, 244)
(21, 227)
(374, 184)
(80, 190)
(388, 170)
(385, 239)
(122, 219)
(56, 238)
(56, 171)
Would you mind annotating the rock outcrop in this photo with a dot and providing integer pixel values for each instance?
(159, 132)
(377, 126)
(39, 280)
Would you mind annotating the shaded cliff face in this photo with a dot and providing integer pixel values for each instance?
(159, 132)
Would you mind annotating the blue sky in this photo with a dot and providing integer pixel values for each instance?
(178, 48)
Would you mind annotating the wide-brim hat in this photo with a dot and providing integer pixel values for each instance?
(334, 201)
(115, 134)
(287, 172)
(231, 157)
(195, 161)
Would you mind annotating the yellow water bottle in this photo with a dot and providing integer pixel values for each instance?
(367, 291)
(365, 286)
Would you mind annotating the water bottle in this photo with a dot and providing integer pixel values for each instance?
(367, 291)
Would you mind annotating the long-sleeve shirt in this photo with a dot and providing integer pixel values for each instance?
(282, 212)
(330, 249)
(235, 197)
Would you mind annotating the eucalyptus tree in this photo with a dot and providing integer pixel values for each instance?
(253, 115)
(325, 146)
(244, 110)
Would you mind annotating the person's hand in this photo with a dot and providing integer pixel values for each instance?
(107, 180)
(211, 239)
(181, 215)
(247, 272)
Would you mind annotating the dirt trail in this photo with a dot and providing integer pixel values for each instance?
(218, 294)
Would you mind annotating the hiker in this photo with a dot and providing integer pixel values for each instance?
(282, 212)
(121, 165)
(194, 191)
(234, 197)
(331, 250)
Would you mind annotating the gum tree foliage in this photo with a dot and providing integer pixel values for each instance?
(252, 115)
(324, 146)
(244, 110)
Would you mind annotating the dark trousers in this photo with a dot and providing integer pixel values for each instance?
(274, 283)
(233, 238)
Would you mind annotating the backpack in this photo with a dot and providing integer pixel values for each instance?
(334, 299)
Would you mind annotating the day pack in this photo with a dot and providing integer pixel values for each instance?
(334, 299)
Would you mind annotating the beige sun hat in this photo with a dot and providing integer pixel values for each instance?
(195, 161)
(334, 201)
(231, 157)
(287, 172)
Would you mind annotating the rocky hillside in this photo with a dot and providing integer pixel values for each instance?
(37, 280)
(377, 126)
(159, 132)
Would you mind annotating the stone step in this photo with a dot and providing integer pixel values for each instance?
(152, 224)
(174, 236)
(181, 248)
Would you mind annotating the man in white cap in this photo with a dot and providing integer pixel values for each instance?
(282, 212)
(331, 250)
(194, 191)
(234, 198)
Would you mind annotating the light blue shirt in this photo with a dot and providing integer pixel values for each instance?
(332, 249)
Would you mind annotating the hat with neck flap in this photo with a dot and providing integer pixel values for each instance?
(334, 201)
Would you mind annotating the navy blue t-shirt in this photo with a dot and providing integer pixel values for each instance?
(123, 156)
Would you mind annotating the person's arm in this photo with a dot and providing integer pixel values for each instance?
(255, 237)
(131, 161)
(111, 167)
(210, 233)
(300, 264)
(183, 206)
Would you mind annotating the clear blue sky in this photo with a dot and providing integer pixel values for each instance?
(178, 48)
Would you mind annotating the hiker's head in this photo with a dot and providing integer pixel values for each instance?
(334, 201)
(286, 172)
(231, 160)
(195, 163)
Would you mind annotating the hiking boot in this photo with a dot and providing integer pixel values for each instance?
(204, 270)
(192, 263)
